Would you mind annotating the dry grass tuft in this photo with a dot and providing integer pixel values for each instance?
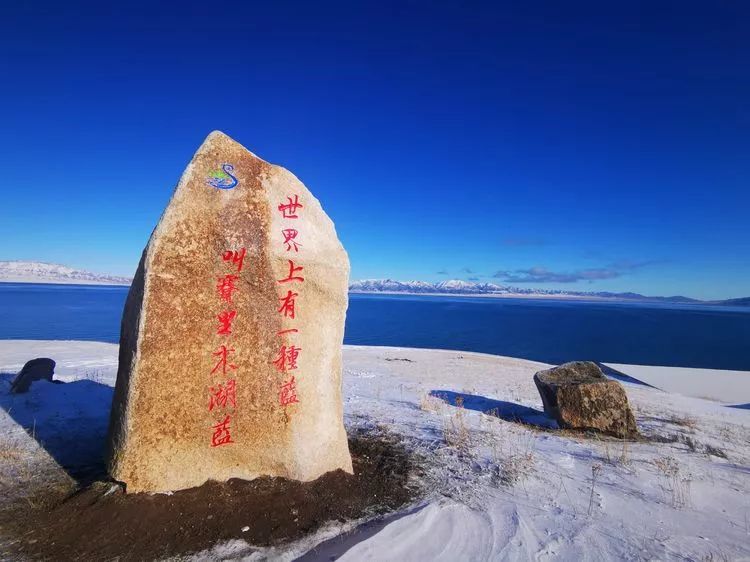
(684, 421)
(610, 453)
(456, 432)
(514, 460)
(596, 469)
(11, 451)
(624, 454)
(430, 403)
(676, 483)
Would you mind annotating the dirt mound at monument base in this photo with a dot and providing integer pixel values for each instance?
(91, 525)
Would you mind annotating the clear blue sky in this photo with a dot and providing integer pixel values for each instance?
(584, 146)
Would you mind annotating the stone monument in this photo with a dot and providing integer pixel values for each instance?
(230, 345)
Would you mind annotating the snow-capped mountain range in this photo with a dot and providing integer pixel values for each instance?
(460, 287)
(457, 286)
(37, 272)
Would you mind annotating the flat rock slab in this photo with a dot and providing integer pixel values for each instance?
(230, 348)
(578, 396)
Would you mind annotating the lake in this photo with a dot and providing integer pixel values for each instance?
(553, 331)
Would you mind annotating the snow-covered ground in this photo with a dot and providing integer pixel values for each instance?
(498, 489)
(732, 387)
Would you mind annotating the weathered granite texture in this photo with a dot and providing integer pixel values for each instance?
(218, 376)
(579, 396)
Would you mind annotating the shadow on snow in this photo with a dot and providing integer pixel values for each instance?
(69, 420)
(622, 377)
(740, 406)
(508, 411)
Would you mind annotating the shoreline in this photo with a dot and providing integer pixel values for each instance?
(514, 296)
(21, 281)
(721, 386)
(509, 296)
(63, 282)
(564, 297)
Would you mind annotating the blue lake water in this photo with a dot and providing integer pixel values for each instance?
(552, 331)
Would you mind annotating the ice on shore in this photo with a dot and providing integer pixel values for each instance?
(501, 486)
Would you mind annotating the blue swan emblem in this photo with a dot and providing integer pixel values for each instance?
(223, 179)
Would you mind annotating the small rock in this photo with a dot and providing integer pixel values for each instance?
(579, 396)
(41, 368)
(245, 529)
(112, 489)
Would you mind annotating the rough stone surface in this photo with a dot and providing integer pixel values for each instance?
(166, 429)
(579, 396)
(41, 368)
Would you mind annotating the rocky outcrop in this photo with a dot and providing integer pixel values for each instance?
(579, 396)
(230, 348)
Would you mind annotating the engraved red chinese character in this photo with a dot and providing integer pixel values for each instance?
(226, 286)
(289, 210)
(236, 257)
(223, 353)
(289, 239)
(221, 435)
(287, 304)
(221, 394)
(292, 271)
(288, 393)
(290, 331)
(287, 358)
(225, 322)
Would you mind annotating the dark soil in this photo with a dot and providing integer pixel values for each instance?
(90, 525)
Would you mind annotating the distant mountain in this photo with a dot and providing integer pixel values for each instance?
(735, 302)
(460, 287)
(454, 286)
(36, 272)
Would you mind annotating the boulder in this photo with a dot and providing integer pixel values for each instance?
(231, 337)
(579, 396)
(39, 369)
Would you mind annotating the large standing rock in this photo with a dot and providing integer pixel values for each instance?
(230, 347)
(579, 396)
